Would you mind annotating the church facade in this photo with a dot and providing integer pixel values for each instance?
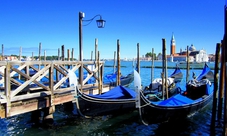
(194, 55)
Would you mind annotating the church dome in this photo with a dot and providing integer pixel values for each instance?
(192, 48)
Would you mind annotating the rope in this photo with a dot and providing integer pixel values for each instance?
(140, 113)
(77, 103)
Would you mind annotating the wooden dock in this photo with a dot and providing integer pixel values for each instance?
(23, 92)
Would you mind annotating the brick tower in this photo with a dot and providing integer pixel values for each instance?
(172, 46)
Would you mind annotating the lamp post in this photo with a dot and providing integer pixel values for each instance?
(100, 24)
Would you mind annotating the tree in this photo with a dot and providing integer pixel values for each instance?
(149, 54)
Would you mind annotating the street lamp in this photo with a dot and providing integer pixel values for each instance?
(100, 24)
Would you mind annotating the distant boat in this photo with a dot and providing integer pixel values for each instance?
(198, 94)
(195, 65)
(115, 101)
(111, 79)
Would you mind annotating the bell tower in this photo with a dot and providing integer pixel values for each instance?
(172, 45)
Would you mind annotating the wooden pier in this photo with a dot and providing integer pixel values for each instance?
(25, 92)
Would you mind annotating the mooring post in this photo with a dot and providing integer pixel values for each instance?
(20, 54)
(163, 90)
(48, 118)
(7, 85)
(32, 56)
(68, 55)
(91, 55)
(63, 53)
(216, 75)
(225, 44)
(118, 64)
(96, 57)
(138, 58)
(96, 49)
(165, 67)
(72, 54)
(36, 117)
(152, 66)
(44, 55)
(221, 83)
(2, 52)
(58, 54)
(187, 73)
(114, 63)
(163, 64)
(40, 46)
(69, 105)
(57, 73)
(99, 75)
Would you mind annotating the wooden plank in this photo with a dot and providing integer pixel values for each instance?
(31, 79)
(59, 69)
(29, 106)
(8, 89)
(2, 112)
(63, 99)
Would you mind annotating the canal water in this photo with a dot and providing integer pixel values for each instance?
(70, 124)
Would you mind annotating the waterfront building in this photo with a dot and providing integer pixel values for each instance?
(194, 55)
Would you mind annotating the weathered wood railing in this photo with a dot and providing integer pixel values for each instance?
(20, 85)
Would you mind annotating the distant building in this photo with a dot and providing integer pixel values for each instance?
(194, 55)
(11, 58)
(172, 45)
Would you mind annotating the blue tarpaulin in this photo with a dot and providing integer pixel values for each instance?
(206, 69)
(118, 92)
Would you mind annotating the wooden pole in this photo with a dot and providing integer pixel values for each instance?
(68, 55)
(32, 56)
(3, 52)
(163, 91)
(40, 48)
(138, 58)
(91, 55)
(114, 65)
(165, 66)
(72, 54)
(99, 84)
(62, 53)
(225, 44)
(221, 83)
(20, 53)
(44, 55)
(152, 66)
(58, 54)
(187, 73)
(96, 49)
(213, 118)
(57, 73)
(7, 85)
(96, 55)
(99, 74)
(118, 63)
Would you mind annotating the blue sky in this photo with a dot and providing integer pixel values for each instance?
(26, 23)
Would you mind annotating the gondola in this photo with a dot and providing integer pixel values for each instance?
(198, 94)
(154, 90)
(115, 101)
(111, 79)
